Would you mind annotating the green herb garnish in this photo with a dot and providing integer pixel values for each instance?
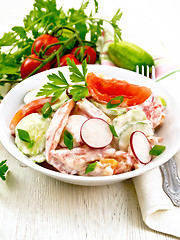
(113, 130)
(90, 167)
(46, 110)
(24, 136)
(157, 150)
(71, 28)
(68, 140)
(118, 100)
(3, 169)
(58, 83)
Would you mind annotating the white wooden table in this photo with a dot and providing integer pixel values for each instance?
(36, 207)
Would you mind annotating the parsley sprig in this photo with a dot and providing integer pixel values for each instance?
(58, 83)
(3, 169)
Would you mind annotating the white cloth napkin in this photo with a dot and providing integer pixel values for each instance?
(157, 209)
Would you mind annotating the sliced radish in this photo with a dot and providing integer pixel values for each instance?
(95, 132)
(140, 147)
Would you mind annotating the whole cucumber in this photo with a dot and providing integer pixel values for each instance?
(127, 55)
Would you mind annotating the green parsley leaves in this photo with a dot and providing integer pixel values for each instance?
(46, 17)
(3, 169)
(76, 75)
(58, 83)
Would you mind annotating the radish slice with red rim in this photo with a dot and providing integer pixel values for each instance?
(95, 133)
(140, 147)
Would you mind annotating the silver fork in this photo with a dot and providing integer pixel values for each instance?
(171, 180)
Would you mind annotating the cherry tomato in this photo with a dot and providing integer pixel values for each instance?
(43, 41)
(63, 60)
(29, 65)
(89, 51)
(104, 90)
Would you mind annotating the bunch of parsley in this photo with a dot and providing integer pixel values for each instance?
(47, 18)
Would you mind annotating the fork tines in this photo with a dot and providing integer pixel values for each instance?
(145, 71)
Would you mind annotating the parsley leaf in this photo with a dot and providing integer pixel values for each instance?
(78, 92)
(54, 88)
(58, 80)
(51, 89)
(76, 75)
(96, 6)
(8, 39)
(117, 30)
(20, 31)
(59, 83)
(3, 169)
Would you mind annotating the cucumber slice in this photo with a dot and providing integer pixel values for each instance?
(131, 116)
(160, 100)
(36, 126)
(38, 158)
(129, 128)
(110, 112)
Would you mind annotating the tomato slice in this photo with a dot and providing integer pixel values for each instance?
(104, 90)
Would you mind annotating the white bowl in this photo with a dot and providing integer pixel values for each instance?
(170, 130)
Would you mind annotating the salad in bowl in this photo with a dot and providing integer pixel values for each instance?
(89, 124)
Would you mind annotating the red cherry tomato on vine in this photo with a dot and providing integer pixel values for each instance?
(42, 42)
(63, 60)
(89, 52)
(30, 64)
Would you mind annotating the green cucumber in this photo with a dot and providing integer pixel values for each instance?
(37, 127)
(160, 100)
(129, 128)
(109, 111)
(127, 55)
(133, 115)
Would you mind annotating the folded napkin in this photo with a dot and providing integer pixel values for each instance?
(157, 209)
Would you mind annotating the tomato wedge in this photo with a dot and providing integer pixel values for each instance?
(27, 109)
(104, 90)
